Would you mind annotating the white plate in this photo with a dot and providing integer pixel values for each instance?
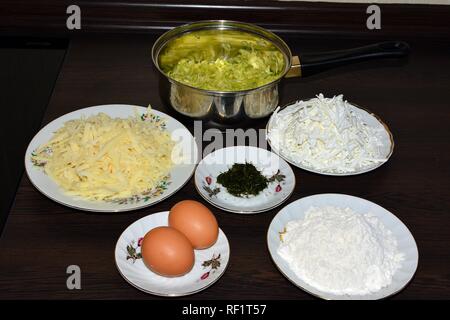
(297, 209)
(138, 275)
(267, 162)
(179, 174)
(369, 118)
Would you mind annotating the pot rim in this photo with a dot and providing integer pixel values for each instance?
(222, 25)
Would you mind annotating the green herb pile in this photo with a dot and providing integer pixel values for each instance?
(243, 180)
(222, 60)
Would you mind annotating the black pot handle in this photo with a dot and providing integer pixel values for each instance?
(315, 63)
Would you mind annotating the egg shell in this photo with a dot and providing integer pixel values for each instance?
(167, 252)
(196, 221)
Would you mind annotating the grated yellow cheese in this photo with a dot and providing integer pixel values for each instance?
(104, 158)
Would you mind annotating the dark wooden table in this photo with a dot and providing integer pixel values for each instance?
(42, 238)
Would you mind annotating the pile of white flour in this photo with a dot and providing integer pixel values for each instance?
(339, 251)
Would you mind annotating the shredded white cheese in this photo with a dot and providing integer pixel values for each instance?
(340, 251)
(104, 158)
(326, 134)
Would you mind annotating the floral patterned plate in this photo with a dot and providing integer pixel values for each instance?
(179, 175)
(209, 265)
(279, 174)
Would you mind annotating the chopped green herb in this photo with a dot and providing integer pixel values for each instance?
(243, 180)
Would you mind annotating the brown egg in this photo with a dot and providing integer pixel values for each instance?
(167, 251)
(196, 221)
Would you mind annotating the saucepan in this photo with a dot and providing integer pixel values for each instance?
(258, 102)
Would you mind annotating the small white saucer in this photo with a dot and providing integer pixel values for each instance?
(268, 163)
(209, 265)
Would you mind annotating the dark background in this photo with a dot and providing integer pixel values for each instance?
(47, 71)
(29, 68)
